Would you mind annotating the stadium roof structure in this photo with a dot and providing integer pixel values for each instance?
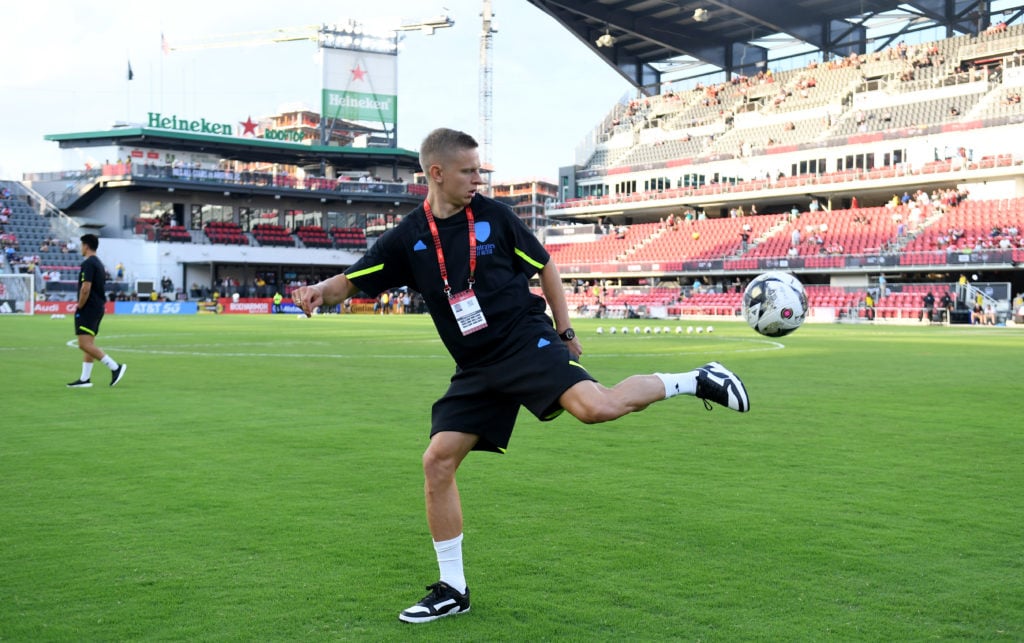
(242, 149)
(652, 41)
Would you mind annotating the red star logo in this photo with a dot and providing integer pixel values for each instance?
(248, 126)
(358, 74)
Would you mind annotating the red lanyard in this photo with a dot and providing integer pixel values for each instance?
(440, 253)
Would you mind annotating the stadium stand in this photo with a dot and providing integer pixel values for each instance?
(349, 238)
(270, 234)
(225, 232)
(313, 236)
(934, 84)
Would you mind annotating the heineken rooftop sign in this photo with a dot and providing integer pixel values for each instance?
(203, 126)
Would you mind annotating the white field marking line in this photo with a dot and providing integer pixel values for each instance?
(149, 351)
(193, 353)
(763, 345)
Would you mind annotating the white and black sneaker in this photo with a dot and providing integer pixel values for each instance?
(719, 385)
(443, 600)
(80, 384)
(115, 376)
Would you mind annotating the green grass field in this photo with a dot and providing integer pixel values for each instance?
(258, 479)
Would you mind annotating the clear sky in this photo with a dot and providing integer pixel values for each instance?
(64, 65)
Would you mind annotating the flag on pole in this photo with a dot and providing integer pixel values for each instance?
(131, 74)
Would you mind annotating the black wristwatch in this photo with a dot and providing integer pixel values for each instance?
(568, 335)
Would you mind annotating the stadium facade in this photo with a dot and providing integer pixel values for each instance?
(873, 160)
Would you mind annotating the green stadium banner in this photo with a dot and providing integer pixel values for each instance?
(360, 86)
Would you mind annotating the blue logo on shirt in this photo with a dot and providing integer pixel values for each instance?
(541, 343)
(483, 230)
(419, 246)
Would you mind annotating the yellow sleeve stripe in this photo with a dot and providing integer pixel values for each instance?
(525, 257)
(365, 271)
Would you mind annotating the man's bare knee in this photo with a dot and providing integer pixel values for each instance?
(439, 465)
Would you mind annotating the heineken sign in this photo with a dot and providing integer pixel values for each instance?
(198, 126)
(355, 106)
(203, 126)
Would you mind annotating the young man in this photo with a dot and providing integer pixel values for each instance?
(92, 282)
(472, 258)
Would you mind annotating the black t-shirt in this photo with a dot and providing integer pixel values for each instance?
(508, 254)
(92, 270)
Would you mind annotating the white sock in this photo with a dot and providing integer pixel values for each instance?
(86, 371)
(109, 362)
(679, 383)
(449, 560)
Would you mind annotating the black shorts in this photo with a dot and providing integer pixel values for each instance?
(485, 400)
(87, 322)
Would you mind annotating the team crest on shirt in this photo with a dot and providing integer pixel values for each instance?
(483, 230)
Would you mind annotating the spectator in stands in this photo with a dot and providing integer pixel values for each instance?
(508, 352)
(977, 314)
(947, 306)
(989, 316)
(927, 307)
(120, 271)
(92, 299)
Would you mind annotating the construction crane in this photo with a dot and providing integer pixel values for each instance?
(312, 33)
(486, 90)
(428, 26)
(245, 39)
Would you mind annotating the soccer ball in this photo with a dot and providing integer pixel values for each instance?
(647, 330)
(775, 303)
(600, 330)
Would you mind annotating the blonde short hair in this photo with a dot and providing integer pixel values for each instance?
(440, 144)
